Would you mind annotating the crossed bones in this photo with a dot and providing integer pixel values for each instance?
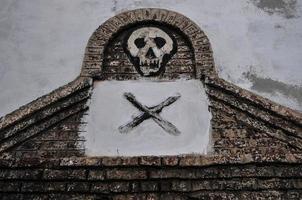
(150, 112)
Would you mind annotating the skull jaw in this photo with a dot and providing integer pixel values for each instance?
(148, 71)
(150, 67)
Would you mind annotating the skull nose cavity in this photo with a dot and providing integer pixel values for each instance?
(150, 54)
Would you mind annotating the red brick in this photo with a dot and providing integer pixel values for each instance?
(56, 174)
(170, 161)
(96, 175)
(127, 174)
(150, 160)
(120, 161)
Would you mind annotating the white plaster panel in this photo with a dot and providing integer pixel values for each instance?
(109, 109)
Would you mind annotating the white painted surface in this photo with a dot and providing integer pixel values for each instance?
(109, 109)
(42, 43)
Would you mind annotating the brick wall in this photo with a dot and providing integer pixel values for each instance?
(65, 139)
(148, 178)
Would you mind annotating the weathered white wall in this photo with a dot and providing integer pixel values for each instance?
(257, 43)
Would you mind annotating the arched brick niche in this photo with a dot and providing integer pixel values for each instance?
(117, 64)
(103, 58)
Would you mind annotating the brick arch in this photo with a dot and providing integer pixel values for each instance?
(94, 53)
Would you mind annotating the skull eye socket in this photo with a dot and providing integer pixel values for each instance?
(140, 42)
(160, 42)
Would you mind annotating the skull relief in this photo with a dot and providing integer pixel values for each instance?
(149, 49)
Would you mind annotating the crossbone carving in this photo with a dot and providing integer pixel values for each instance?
(150, 112)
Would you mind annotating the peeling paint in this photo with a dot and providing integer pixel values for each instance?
(273, 87)
(286, 8)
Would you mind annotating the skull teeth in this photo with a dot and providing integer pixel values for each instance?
(150, 62)
(150, 65)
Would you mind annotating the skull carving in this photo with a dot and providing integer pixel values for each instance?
(149, 49)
